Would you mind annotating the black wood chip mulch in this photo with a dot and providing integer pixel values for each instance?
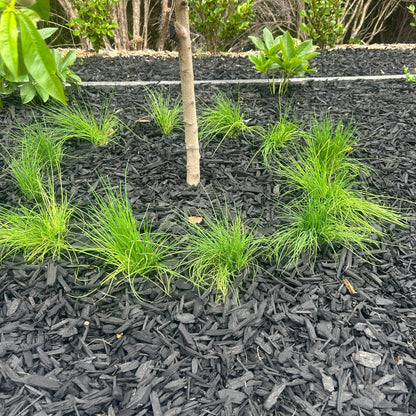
(330, 63)
(297, 342)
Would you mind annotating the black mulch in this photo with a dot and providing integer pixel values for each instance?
(329, 63)
(298, 343)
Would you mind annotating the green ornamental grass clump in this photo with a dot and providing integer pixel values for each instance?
(38, 149)
(40, 142)
(79, 121)
(28, 174)
(276, 136)
(326, 207)
(40, 231)
(132, 250)
(218, 250)
(159, 108)
(225, 118)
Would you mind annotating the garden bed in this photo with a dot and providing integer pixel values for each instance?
(297, 342)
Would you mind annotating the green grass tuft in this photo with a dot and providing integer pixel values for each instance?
(224, 118)
(159, 108)
(276, 136)
(218, 249)
(40, 142)
(78, 121)
(131, 250)
(38, 232)
(326, 207)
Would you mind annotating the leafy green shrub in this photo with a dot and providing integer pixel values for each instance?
(93, 21)
(158, 107)
(220, 20)
(409, 76)
(283, 53)
(26, 62)
(218, 249)
(322, 21)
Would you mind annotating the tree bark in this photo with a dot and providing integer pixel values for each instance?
(137, 38)
(164, 24)
(121, 35)
(188, 92)
(146, 22)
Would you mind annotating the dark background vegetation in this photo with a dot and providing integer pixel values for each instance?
(271, 13)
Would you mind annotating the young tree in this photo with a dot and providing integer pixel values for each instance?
(183, 38)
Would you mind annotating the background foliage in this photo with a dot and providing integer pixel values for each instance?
(140, 23)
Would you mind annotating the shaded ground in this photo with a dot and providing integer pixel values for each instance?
(297, 343)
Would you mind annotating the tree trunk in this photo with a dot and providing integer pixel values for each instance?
(188, 92)
(121, 35)
(146, 22)
(137, 38)
(164, 25)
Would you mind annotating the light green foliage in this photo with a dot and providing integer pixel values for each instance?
(93, 21)
(322, 21)
(326, 206)
(220, 20)
(27, 173)
(276, 136)
(38, 232)
(26, 62)
(132, 250)
(78, 121)
(219, 249)
(412, 11)
(37, 149)
(331, 144)
(409, 77)
(224, 118)
(158, 107)
(39, 142)
(283, 53)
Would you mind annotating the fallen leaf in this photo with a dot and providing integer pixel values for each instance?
(349, 286)
(195, 220)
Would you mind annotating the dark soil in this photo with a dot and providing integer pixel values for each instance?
(298, 342)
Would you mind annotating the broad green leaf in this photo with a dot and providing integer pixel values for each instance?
(47, 32)
(42, 8)
(276, 48)
(9, 37)
(27, 92)
(69, 59)
(25, 3)
(268, 38)
(288, 46)
(31, 14)
(38, 58)
(4, 4)
(42, 93)
(258, 43)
